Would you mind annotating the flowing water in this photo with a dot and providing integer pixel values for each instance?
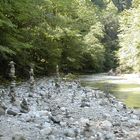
(126, 88)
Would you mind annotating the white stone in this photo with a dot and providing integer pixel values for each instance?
(63, 124)
(69, 133)
(63, 109)
(46, 125)
(102, 102)
(124, 118)
(76, 123)
(119, 105)
(18, 136)
(46, 131)
(106, 125)
(44, 113)
(71, 119)
(52, 137)
(134, 122)
(106, 116)
(134, 135)
(84, 121)
(134, 116)
(114, 110)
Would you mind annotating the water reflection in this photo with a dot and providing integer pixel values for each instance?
(127, 90)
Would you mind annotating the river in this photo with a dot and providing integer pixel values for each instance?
(125, 87)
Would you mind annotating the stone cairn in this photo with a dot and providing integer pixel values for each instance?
(12, 92)
(85, 102)
(57, 72)
(2, 94)
(57, 80)
(32, 80)
(67, 113)
(24, 106)
(73, 96)
(85, 92)
(49, 93)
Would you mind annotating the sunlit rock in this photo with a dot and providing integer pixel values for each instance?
(105, 125)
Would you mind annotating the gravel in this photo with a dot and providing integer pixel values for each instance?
(65, 112)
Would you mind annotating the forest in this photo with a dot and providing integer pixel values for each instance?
(69, 69)
(78, 35)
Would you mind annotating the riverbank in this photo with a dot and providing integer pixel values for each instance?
(125, 87)
(123, 78)
(66, 111)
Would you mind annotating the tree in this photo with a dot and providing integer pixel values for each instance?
(129, 53)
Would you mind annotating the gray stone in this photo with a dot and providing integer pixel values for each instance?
(52, 137)
(85, 102)
(134, 116)
(18, 136)
(69, 133)
(2, 111)
(99, 136)
(63, 109)
(2, 108)
(5, 138)
(46, 131)
(92, 138)
(55, 119)
(124, 118)
(114, 110)
(46, 125)
(32, 80)
(67, 113)
(13, 112)
(63, 124)
(106, 125)
(47, 118)
(134, 122)
(84, 121)
(24, 106)
(119, 105)
(102, 102)
(12, 92)
(109, 136)
(134, 136)
(101, 95)
(44, 113)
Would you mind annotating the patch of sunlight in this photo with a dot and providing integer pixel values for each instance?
(126, 88)
(133, 101)
(137, 90)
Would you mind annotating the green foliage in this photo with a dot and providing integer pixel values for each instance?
(110, 40)
(93, 55)
(77, 35)
(129, 37)
(51, 32)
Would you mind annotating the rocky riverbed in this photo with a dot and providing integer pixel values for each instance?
(65, 111)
